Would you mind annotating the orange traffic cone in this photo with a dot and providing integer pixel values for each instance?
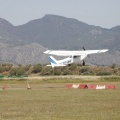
(4, 87)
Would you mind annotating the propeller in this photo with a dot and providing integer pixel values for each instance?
(84, 48)
(87, 55)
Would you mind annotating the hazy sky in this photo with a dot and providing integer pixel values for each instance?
(104, 13)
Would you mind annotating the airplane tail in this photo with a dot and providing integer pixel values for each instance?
(58, 63)
(52, 60)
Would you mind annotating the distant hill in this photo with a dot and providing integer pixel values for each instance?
(24, 54)
(57, 32)
(7, 34)
(24, 44)
(116, 28)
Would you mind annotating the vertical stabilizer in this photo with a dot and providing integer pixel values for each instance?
(52, 60)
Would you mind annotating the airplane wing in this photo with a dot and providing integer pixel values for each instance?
(74, 53)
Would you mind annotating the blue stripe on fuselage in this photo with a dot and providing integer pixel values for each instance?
(52, 61)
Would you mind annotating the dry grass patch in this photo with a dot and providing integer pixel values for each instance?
(51, 101)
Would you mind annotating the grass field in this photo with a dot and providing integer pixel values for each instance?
(50, 100)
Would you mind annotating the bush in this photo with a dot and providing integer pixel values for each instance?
(113, 66)
(17, 71)
(37, 68)
(13, 71)
(20, 72)
(83, 70)
(73, 66)
(27, 67)
(57, 71)
(47, 71)
(1, 69)
(103, 73)
(67, 72)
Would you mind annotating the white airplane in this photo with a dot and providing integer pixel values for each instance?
(72, 54)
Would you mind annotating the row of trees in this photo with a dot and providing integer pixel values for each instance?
(73, 69)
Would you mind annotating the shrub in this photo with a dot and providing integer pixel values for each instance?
(83, 70)
(73, 66)
(47, 71)
(1, 69)
(13, 71)
(27, 67)
(20, 72)
(103, 73)
(7, 67)
(113, 66)
(57, 71)
(67, 72)
(17, 71)
(37, 68)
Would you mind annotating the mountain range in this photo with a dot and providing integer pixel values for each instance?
(24, 44)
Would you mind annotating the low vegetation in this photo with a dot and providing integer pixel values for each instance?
(42, 70)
